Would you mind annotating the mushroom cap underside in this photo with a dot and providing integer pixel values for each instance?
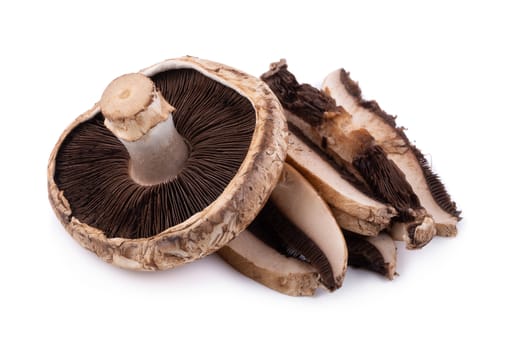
(219, 222)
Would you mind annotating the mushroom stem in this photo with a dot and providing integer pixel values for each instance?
(158, 156)
(137, 113)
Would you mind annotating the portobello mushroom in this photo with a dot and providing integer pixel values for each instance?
(170, 166)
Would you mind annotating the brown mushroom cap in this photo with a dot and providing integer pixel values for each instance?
(219, 222)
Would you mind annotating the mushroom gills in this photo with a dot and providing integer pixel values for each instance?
(382, 126)
(296, 223)
(352, 208)
(278, 232)
(377, 254)
(92, 164)
(235, 132)
(329, 127)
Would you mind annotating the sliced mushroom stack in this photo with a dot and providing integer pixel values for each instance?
(294, 244)
(359, 157)
(353, 209)
(171, 165)
(358, 166)
(393, 140)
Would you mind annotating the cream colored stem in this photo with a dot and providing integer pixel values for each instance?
(141, 118)
(158, 156)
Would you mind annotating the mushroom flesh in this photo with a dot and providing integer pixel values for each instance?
(264, 264)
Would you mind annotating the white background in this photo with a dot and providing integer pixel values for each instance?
(453, 73)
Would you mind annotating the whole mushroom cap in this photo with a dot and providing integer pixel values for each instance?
(224, 218)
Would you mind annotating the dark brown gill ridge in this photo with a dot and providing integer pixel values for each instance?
(363, 254)
(304, 100)
(278, 232)
(385, 179)
(436, 186)
(377, 254)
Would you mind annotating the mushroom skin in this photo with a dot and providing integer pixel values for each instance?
(208, 230)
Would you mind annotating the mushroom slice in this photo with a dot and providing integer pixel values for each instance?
(382, 126)
(255, 259)
(171, 165)
(378, 254)
(297, 223)
(353, 210)
(328, 126)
